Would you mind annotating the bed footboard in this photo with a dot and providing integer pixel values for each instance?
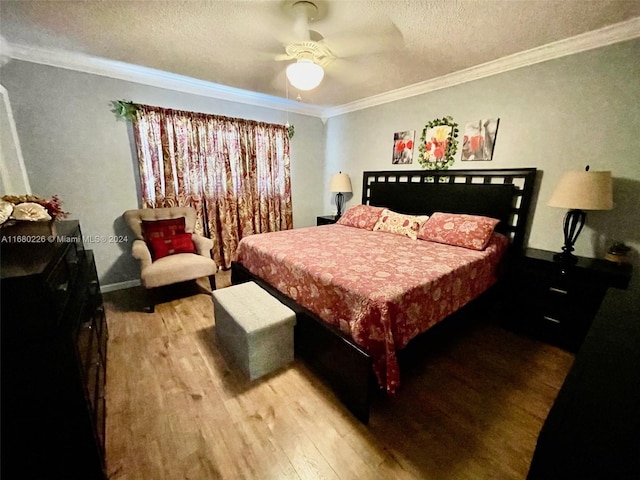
(344, 366)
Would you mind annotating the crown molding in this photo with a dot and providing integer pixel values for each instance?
(616, 33)
(155, 78)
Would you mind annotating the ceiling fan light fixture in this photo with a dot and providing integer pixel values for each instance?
(305, 74)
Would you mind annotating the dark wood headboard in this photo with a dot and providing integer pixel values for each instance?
(504, 194)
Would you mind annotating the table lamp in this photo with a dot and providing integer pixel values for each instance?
(579, 191)
(340, 183)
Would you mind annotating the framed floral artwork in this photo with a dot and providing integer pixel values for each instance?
(403, 147)
(438, 144)
(479, 140)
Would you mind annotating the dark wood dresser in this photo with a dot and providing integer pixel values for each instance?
(54, 350)
(593, 428)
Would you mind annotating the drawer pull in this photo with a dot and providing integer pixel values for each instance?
(551, 319)
(558, 290)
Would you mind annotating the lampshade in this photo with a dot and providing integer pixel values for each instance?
(583, 191)
(340, 182)
(304, 74)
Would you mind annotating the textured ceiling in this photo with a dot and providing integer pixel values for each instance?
(380, 45)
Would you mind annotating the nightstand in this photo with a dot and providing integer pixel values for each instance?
(326, 220)
(557, 302)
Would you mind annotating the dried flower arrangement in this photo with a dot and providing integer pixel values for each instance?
(30, 208)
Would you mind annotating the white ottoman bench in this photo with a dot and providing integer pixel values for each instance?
(254, 330)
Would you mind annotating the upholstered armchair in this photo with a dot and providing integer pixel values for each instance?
(167, 249)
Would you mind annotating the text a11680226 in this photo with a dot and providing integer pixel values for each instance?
(85, 239)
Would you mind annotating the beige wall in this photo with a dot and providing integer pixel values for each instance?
(558, 115)
(73, 146)
(555, 116)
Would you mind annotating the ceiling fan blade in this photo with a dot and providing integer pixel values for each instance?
(346, 72)
(282, 57)
(269, 55)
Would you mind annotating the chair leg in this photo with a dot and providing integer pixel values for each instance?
(212, 282)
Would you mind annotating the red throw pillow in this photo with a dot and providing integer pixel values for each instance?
(162, 228)
(361, 216)
(179, 243)
(460, 230)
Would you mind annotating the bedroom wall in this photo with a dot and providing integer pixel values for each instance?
(555, 116)
(73, 146)
(559, 115)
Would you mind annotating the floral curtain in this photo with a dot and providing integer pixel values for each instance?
(234, 172)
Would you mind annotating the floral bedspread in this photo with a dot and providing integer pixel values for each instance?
(379, 288)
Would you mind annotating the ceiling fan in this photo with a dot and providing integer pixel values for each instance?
(311, 51)
(307, 72)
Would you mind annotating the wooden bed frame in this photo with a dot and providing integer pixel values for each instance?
(505, 194)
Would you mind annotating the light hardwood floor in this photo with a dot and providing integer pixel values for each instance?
(470, 407)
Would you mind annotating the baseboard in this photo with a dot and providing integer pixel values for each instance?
(112, 287)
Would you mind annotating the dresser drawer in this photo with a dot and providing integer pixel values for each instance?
(100, 405)
(95, 375)
(103, 334)
(87, 345)
(62, 279)
(91, 340)
(59, 284)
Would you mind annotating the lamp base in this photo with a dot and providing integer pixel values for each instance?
(339, 204)
(572, 226)
(565, 257)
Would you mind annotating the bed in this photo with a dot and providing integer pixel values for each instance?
(360, 295)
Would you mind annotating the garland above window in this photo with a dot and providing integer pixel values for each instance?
(126, 110)
(438, 144)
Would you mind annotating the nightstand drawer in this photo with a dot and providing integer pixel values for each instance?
(555, 310)
(572, 300)
(559, 302)
(556, 302)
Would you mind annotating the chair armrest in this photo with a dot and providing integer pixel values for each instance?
(203, 245)
(140, 250)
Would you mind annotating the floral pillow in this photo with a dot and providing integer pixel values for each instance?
(400, 224)
(361, 216)
(179, 243)
(461, 230)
